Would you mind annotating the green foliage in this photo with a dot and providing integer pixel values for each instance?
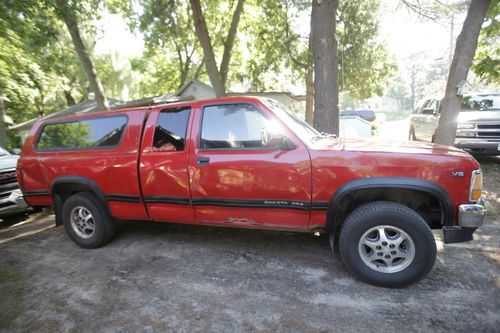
(363, 58)
(39, 68)
(486, 63)
(279, 42)
(26, 28)
(172, 54)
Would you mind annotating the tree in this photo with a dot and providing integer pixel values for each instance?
(486, 63)
(324, 50)
(66, 12)
(3, 131)
(464, 53)
(280, 45)
(171, 46)
(218, 76)
(25, 29)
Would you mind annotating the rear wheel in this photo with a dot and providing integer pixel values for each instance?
(86, 221)
(387, 244)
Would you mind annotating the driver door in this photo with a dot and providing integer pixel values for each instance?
(239, 179)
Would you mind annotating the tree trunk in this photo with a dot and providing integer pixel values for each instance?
(228, 45)
(309, 96)
(208, 51)
(324, 49)
(81, 50)
(69, 98)
(3, 128)
(464, 54)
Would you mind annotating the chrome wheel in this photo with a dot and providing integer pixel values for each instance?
(82, 222)
(386, 249)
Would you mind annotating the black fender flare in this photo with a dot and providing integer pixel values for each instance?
(95, 189)
(435, 190)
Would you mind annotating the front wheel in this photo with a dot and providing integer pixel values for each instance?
(387, 244)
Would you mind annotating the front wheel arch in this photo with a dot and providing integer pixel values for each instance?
(334, 219)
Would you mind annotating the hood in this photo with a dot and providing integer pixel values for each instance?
(388, 146)
(473, 116)
(8, 162)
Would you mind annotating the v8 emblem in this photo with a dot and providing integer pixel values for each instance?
(457, 173)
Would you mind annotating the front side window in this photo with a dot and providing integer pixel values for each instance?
(232, 126)
(84, 134)
(170, 131)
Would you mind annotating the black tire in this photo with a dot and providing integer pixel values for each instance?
(387, 214)
(104, 226)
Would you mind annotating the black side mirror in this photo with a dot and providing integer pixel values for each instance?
(15, 151)
(276, 139)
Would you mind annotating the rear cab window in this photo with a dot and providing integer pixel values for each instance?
(91, 133)
(171, 129)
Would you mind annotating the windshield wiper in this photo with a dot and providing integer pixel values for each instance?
(323, 136)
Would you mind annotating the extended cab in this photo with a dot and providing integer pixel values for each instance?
(249, 162)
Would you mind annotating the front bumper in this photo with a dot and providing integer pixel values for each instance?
(478, 146)
(470, 217)
(14, 203)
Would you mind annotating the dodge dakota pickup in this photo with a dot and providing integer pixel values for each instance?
(249, 162)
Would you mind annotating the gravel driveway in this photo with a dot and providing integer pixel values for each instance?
(165, 277)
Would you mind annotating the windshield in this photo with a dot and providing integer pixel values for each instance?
(3, 152)
(298, 126)
(484, 102)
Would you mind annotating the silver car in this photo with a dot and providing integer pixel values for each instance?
(11, 199)
(478, 123)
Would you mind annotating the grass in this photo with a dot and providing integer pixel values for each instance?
(12, 284)
(490, 167)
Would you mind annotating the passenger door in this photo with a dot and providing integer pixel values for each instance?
(239, 179)
(164, 166)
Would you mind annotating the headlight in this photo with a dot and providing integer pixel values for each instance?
(466, 126)
(476, 185)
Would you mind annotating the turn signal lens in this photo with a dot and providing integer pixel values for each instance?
(476, 185)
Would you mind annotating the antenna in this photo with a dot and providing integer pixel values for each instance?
(342, 140)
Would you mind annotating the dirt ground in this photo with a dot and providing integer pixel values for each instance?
(165, 277)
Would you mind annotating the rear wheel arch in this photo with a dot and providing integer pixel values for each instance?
(381, 188)
(64, 187)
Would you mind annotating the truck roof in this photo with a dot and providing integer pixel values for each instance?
(155, 107)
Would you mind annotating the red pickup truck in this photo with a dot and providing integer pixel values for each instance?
(249, 162)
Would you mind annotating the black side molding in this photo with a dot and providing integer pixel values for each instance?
(35, 193)
(123, 198)
(253, 203)
(167, 200)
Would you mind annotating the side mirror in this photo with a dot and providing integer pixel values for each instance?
(15, 151)
(271, 138)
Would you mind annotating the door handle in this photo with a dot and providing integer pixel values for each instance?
(202, 160)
